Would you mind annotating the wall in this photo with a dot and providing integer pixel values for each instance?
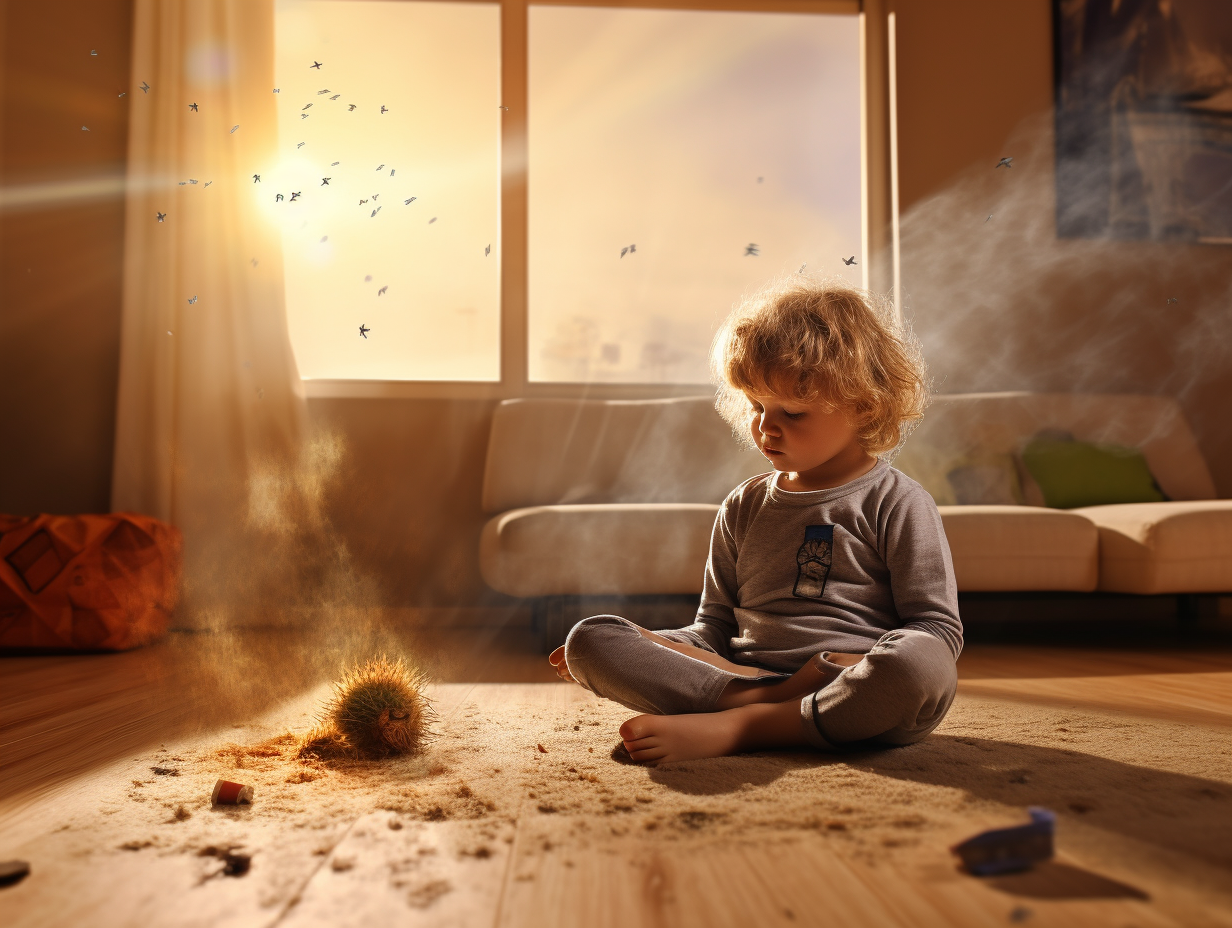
(60, 262)
(1006, 308)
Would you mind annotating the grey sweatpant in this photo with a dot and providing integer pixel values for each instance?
(897, 694)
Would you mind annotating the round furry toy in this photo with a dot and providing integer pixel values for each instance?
(376, 710)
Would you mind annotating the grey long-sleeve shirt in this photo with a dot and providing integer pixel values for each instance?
(791, 574)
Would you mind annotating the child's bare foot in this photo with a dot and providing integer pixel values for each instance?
(662, 739)
(808, 679)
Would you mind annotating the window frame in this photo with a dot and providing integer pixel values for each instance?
(514, 204)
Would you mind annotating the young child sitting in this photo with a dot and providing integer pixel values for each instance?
(829, 612)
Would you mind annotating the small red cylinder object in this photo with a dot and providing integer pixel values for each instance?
(231, 794)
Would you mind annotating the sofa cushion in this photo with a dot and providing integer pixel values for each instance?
(1176, 547)
(547, 452)
(1072, 474)
(624, 549)
(1009, 548)
(960, 428)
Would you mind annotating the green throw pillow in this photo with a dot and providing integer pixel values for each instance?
(1075, 473)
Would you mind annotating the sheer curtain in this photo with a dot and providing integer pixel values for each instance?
(210, 422)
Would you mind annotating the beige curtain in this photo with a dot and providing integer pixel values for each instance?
(209, 397)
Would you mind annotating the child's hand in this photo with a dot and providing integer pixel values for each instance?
(557, 660)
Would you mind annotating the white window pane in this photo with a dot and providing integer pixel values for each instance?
(435, 67)
(691, 135)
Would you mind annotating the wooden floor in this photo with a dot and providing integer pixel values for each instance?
(63, 716)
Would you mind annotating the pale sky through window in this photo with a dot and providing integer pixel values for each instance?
(652, 128)
(436, 68)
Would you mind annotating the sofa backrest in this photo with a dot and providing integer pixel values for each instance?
(544, 452)
(962, 427)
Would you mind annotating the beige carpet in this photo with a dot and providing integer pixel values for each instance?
(518, 801)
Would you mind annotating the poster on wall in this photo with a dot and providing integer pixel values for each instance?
(1144, 119)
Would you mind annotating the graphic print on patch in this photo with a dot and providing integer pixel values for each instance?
(813, 561)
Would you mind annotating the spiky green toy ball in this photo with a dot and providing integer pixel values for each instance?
(377, 710)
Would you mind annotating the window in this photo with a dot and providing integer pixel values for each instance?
(679, 159)
(605, 182)
(404, 106)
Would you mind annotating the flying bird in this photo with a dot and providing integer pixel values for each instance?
(391, 171)
(94, 52)
(432, 220)
(850, 261)
(276, 90)
(192, 180)
(364, 330)
(802, 267)
(316, 64)
(503, 108)
(1173, 299)
(751, 249)
(295, 195)
(123, 95)
(380, 167)
(1004, 163)
(487, 251)
(233, 128)
(362, 202)
(334, 164)
(351, 107)
(628, 250)
(208, 182)
(161, 216)
(301, 144)
(384, 109)
(305, 107)
(278, 198)
(321, 93)
(324, 182)
(193, 107)
(192, 299)
(335, 96)
(410, 201)
(374, 212)
(145, 88)
(84, 129)
(256, 178)
(381, 292)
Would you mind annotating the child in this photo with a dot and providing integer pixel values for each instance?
(829, 612)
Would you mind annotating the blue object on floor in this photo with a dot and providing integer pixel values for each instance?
(1004, 850)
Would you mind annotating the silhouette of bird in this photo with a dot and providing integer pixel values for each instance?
(305, 107)
(145, 88)
(301, 144)
(364, 330)
(335, 96)
(751, 249)
(192, 299)
(295, 194)
(802, 267)
(316, 64)
(1173, 299)
(193, 107)
(256, 178)
(362, 202)
(432, 220)
(351, 107)
(380, 167)
(503, 108)
(850, 261)
(487, 251)
(410, 201)
(384, 109)
(233, 128)
(161, 216)
(324, 182)
(321, 93)
(1004, 163)
(381, 292)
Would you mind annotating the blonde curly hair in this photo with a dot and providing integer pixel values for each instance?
(822, 340)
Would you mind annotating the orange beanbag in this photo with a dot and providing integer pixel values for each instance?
(96, 582)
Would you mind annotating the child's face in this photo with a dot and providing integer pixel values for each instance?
(800, 438)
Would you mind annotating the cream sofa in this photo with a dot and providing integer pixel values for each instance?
(617, 498)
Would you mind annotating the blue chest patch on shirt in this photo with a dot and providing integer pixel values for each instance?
(813, 561)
